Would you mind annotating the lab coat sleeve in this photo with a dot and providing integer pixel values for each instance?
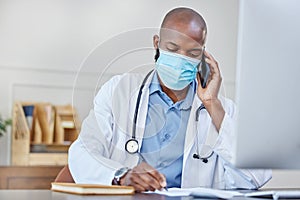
(89, 156)
(223, 147)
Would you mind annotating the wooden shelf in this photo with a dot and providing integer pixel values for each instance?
(32, 146)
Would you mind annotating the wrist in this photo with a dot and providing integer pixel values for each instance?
(122, 179)
(216, 111)
(210, 103)
(119, 175)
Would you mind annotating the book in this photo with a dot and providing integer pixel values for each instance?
(46, 117)
(59, 131)
(75, 188)
(28, 111)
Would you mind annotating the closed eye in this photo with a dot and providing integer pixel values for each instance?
(195, 53)
(172, 49)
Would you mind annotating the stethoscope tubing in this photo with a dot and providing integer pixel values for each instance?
(137, 105)
(136, 111)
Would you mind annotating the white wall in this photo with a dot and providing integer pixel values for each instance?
(43, 44)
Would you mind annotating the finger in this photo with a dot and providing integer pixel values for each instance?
(137, 187)
(133, 178)
(213, 64)
(141, 181)
(158, 177)
(162, 180)
(153, 182)
(208, 55)
(142, 175)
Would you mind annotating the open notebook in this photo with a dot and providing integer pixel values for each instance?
(91, 188)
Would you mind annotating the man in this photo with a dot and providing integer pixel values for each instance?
(182, 133)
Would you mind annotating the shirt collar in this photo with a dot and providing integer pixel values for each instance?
(154, 85)
(188, 101)
(184, 104)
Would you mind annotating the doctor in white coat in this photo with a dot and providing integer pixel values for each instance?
(172, 132)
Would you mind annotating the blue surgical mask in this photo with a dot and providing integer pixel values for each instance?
(176, 71)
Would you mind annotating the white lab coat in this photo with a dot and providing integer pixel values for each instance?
(100, 148)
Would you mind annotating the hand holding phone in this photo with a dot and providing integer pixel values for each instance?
(204, 71)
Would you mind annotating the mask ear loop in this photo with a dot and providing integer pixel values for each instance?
(156, 55)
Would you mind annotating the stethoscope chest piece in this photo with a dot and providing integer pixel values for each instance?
(132, 146)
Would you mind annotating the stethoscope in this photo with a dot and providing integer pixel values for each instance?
(132, 145)
(197, 154)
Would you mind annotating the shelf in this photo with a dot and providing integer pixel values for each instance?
(49, 148)
(48, 140)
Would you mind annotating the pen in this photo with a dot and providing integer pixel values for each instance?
(143, 159)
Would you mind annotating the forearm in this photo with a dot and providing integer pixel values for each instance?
(89, 155)
(88, 168)
(216, 112)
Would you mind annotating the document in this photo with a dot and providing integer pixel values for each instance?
(91, 188)
(200, 192)
(276, 194)
(227, 194)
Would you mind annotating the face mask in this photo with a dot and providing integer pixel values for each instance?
(176, 71)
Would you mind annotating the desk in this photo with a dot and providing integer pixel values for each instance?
(50, 195)
(28, 177)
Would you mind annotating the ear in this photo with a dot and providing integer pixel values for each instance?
(155, 41)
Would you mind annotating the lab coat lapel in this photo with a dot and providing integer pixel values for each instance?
(191, 175)
(190, 131)
(123, 110)
(143, 108)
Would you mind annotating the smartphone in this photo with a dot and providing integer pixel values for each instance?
(204, 71)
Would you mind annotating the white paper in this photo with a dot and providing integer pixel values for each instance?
(173, 192)
(227, 194)
(200, 192)
(276, 194)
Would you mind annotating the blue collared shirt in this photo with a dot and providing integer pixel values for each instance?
(166, 123)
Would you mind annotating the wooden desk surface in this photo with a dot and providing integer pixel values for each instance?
(50, 195)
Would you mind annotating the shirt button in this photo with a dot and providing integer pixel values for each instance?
(167, 136)
(172, 109)
(162, 164)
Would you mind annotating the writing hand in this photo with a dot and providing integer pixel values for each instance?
(144, 177)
